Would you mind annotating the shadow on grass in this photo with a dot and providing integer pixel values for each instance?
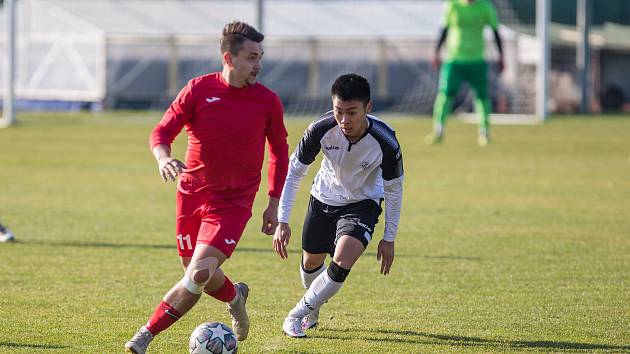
(31, 346)
(100, 244)
(89, 244)
(459, 258)
(413, 337)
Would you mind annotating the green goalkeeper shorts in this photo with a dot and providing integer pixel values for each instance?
(475, 73)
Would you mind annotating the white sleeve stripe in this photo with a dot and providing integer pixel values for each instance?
(297, 170)
(390, 182)
(393, 206)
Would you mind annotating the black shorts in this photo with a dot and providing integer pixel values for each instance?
(324, 224)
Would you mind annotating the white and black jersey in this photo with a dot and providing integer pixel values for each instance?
(370, 168)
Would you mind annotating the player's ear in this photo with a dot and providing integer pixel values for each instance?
(227, 59)
(368, 107)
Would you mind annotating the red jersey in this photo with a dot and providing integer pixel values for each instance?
(227, 128)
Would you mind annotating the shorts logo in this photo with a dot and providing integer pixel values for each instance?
(364, 226)
(230, 241)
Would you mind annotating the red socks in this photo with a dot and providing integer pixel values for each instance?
(225, 293)
(163, 317)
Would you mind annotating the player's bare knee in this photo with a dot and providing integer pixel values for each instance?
(191, 286)
(200, 276)
(312, 261)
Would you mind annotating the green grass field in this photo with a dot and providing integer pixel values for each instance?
(521, 246)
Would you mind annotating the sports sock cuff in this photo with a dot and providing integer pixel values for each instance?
(163, 317)
(312, 270)
(225, 293)
(170, 310)
(336, 273)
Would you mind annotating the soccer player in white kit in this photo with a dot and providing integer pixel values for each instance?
(362, 166)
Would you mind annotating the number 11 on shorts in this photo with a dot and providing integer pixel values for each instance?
(181, 238)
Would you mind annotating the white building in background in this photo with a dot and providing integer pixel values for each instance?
(139, 53)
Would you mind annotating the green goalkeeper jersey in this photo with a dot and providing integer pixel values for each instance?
(465, 22)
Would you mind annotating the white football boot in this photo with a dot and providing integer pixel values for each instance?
(240, 321)
(140, 342)
(311, 320)
(5, 234)
(292, 327)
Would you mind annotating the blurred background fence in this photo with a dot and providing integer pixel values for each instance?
(111, 54)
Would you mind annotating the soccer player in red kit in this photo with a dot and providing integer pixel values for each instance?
(228, 116)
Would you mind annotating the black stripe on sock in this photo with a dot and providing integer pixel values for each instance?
(312, 270)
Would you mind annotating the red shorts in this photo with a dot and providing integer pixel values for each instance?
(218, 223)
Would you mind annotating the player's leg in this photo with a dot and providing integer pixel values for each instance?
(235, 296)
(215, 282)
(354, 227)
(450, 81)
(188, 211)
(478, 77)
(200, 262)
(312, 264)
(222, 228)
(220, 286)
(328, 283)
(311, 267)
(205, 261)
(180, 298)
(318, 237)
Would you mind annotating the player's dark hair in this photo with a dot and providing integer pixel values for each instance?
(351, 87)
(234, 35)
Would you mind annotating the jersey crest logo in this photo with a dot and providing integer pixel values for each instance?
(212, 99)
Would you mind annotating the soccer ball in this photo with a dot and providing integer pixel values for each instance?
(212, 338)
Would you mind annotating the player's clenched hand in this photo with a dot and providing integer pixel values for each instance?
(170, 168)
(385, 254)
(281, 239)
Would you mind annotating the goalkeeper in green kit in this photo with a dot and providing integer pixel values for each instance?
(464, 22)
